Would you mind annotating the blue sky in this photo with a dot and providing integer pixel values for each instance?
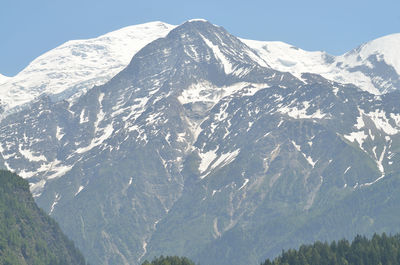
(30, 28)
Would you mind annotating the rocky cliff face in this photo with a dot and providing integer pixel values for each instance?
(202, 147)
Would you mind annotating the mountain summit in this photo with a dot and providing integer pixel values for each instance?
(78, 65)
(212, 147)
(374, 66)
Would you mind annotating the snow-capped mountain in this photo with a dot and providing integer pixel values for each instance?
(78, 65)
(212, 147)
(373, 67)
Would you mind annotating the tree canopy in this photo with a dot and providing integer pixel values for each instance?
(379, 250)
(169, 260)
(27, 234)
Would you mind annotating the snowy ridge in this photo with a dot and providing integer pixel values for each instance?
(387, 47)
(197, 20)
(347, 68)
(3, 78)
(287, 58)
(79, 64)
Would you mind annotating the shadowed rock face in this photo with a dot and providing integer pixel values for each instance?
(199, 148)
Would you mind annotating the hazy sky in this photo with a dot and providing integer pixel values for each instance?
(28, 28)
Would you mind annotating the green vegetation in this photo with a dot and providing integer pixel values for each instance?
(169, 260)
(27, 234)
(379, 250)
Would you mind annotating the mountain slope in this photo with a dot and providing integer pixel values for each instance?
(201, 148)
(77, 65)
(28, 235)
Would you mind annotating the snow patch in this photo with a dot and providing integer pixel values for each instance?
(26, 174)
(360, 122)
(56, 199)
(244, 184)
(59, 170)
(37, 187)
(228, 67)
(357, 136)
(223, 160)
(296, 146)
(301, 113)
(59, 133)
(206, 159)
(79, 190)
(82, 118)
(30, 156)
(130, 181)
(107, 132)
(381, 122)
(205, 91)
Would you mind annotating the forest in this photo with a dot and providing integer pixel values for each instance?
(379, 250)
(27, 234)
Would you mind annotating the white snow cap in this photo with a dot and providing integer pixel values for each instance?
(80, 64)
(3, 78)
(197, 19)
(287, 58)
(387, 46)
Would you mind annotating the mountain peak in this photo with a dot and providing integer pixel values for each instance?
(139, 29)
(197, 20)
(386, 48)
(78, 65)
(224, 47)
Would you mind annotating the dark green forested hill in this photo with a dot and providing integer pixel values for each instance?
(169, 260)
(27, 234)
(379, 250)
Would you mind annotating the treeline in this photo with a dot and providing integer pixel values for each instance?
(379, 250)
(27, 234)
(169, 260)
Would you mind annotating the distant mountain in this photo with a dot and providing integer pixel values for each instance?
(211, 147)
(373, 67)
(27, 234)
(78, 65)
